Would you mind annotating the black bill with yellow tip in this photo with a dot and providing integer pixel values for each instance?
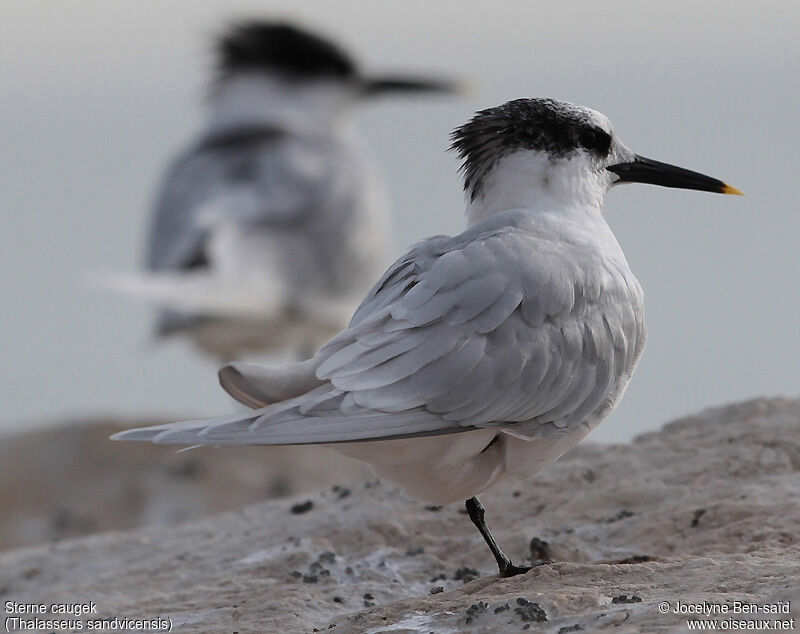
(645, 170)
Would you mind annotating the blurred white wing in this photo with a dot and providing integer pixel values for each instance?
(195, 291)
(249, 175)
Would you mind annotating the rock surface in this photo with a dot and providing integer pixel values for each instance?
(703, 510)
(71, 480)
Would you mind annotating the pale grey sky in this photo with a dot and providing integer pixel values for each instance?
(96, 97)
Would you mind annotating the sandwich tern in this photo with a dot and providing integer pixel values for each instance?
(484, 355)
(268, 230)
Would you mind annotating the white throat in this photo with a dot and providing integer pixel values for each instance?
(306, 107)
(528, 179)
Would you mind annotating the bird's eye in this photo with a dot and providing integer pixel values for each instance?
(595, 140)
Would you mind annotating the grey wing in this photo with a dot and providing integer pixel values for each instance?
(260, 175)
(501, 330)
(462, 333)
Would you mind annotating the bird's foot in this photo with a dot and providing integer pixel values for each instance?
(512, 570)
(508, 569)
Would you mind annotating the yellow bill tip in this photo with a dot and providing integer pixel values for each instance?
(727, 189)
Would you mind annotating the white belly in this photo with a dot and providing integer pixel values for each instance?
(455, 467)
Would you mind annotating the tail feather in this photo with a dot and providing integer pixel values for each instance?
(257, 386)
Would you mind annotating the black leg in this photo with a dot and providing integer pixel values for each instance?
(476, 512)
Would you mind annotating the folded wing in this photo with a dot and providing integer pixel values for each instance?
(493, 328)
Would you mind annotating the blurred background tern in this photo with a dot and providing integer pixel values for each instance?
(484, 355)
(269, 229)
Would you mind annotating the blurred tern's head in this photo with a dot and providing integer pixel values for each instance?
(293, 69)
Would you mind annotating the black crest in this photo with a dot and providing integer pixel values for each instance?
(281, 47)
(546, 125)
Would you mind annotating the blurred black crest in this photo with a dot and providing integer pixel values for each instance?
(281, 47)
